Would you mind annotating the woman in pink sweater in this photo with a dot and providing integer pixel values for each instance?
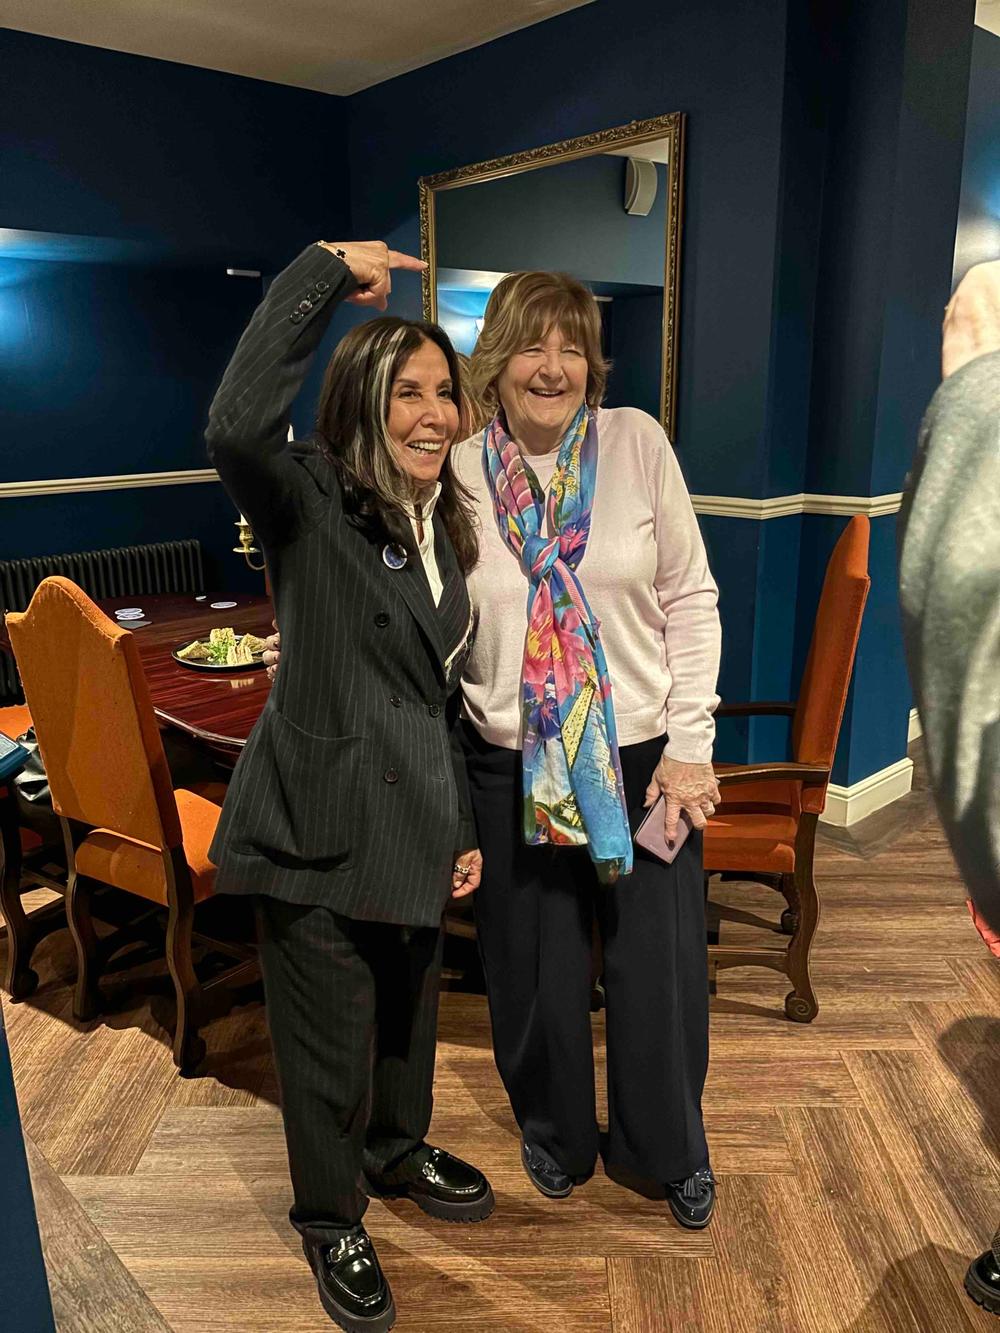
(590, 690)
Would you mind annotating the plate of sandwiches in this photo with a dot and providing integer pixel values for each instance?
(223, 650)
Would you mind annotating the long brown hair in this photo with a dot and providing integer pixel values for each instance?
(352, 429)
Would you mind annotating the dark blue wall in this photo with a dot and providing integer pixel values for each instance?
(978, 237)
(109, 366)
(210, 165)
(24, 1292)
(110, 369)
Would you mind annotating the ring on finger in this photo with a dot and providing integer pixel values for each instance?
(462, 870)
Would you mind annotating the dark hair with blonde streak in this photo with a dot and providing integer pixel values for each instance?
(353, 432)
(522, 308)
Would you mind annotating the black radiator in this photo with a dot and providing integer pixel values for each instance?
(126, 571)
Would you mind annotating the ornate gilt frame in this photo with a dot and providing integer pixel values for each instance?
(670, 127)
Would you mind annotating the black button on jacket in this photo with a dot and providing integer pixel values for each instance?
(336, 799)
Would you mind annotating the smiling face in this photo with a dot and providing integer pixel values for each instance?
(423, 414)
(541, 389)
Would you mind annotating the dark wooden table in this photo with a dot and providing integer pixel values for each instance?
(219, 709)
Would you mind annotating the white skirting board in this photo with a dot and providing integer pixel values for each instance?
(848, 805)
(915, 730)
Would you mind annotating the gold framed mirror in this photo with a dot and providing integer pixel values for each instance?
(607, 208)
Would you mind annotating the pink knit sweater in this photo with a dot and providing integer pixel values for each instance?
(646, 578)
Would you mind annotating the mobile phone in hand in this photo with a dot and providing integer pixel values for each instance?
(651, 836)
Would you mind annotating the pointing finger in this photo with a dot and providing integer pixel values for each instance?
(399, 260)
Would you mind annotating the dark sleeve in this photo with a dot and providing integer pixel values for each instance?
(950, 598)
(466, 838)
(247, 433)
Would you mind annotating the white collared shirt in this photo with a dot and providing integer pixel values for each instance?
(426, 546)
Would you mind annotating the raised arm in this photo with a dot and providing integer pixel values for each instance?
(247, 433)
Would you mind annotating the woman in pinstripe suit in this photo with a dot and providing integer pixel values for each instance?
(350, 799)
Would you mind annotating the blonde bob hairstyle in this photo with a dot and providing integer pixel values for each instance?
(522, 308)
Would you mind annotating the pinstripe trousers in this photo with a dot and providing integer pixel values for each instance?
(352, 1012)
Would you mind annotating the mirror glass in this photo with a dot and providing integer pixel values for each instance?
(606, 210)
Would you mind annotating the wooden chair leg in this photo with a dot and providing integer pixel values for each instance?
(87, 995)
(790, 916)
(800, 1002)
(188, 1047)
(19, 980)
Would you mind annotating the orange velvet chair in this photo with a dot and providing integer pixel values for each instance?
(108, 773)
(24, 858)
(765, 828)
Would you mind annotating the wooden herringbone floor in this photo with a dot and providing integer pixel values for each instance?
(856, 1156)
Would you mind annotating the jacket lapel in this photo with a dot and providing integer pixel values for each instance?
(411, 584)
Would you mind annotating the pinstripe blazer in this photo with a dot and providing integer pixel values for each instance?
(351, 791)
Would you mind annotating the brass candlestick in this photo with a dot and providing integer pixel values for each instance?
(246, 547)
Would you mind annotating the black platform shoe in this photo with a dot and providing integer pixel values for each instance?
(546, 1177)
(982, 1281)
(352, 1286)
(441, 1185)
(692, 1201)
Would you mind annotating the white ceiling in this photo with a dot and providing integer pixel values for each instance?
(988, 15)
(332, 46)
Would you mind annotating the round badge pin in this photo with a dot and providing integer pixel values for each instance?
(394, 556)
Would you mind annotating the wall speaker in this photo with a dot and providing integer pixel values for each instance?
(640, 186)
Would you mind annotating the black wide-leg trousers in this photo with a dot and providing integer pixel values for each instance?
(535, 912)
(352, 1011)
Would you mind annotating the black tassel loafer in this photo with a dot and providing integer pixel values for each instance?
(352, 1287)
(546, 1177)
(441, 1185)
(692, 1201)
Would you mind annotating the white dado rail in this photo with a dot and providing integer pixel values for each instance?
(781, 506)
(725, 506)
(121, 482)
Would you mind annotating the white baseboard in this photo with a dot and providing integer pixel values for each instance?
(915, 730)
(848, 805)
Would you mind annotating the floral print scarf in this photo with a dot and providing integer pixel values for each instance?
(573, 790)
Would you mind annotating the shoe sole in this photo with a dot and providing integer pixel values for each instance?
(476, 1210)
(352, 1323)
(549, 1194)
(686, 1223)
(985, 1297)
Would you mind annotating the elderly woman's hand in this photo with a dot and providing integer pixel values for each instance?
(690, 787)
(467, 872)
